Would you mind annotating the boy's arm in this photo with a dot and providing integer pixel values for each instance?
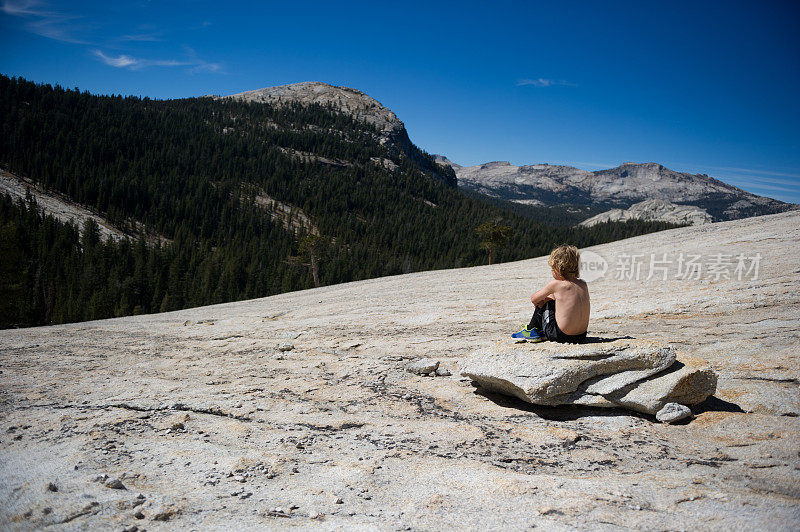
(545, 293)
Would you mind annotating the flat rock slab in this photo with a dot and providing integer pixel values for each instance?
(639, 375)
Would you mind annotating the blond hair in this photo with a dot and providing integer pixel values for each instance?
(565, 261)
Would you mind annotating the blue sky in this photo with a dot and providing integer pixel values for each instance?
(705, 87)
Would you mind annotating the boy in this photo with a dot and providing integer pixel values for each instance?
(568, 320)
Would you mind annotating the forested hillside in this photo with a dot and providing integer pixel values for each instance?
(192, 171)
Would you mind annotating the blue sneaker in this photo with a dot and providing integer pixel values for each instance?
(527, 334)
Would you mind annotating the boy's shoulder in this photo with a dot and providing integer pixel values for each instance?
(580, 283)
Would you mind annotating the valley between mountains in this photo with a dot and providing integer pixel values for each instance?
(216, 199)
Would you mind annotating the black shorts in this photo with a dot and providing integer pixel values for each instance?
(544, 323)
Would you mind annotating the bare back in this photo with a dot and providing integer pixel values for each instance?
(572, 305)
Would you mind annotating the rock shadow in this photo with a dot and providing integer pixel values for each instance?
(592, 340)
(603, 340)
(715, 404)
(557, 413)
(574, 412)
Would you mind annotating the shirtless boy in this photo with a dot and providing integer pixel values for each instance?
(562, 306)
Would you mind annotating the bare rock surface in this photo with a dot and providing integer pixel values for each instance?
(658, 210)
(58, 206)
(64, 209)
(350, 101)
(207, 429)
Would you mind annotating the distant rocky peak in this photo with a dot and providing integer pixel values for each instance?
(392, 132)
(648, 166)
(350, 101)
(495, 164)
(640, 169)
(441, 159)
(618, 187)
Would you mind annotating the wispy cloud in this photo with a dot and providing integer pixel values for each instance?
(755, 177)
(750, 182)
(759, 172)
(42, 21)
(21, 8)
(783, 185)
(133, 63)
(142, 37)
(198, 64)
(544, 82)
(120, 61)
(193, 64)
(757, 186)
(771, 180)
(207, 67)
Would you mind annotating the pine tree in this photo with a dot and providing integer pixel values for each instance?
(493, 236)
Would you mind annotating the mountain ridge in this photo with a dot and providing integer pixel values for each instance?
(353, 102)
(618, 187)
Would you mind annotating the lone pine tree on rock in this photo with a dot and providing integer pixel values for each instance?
(493, 236)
